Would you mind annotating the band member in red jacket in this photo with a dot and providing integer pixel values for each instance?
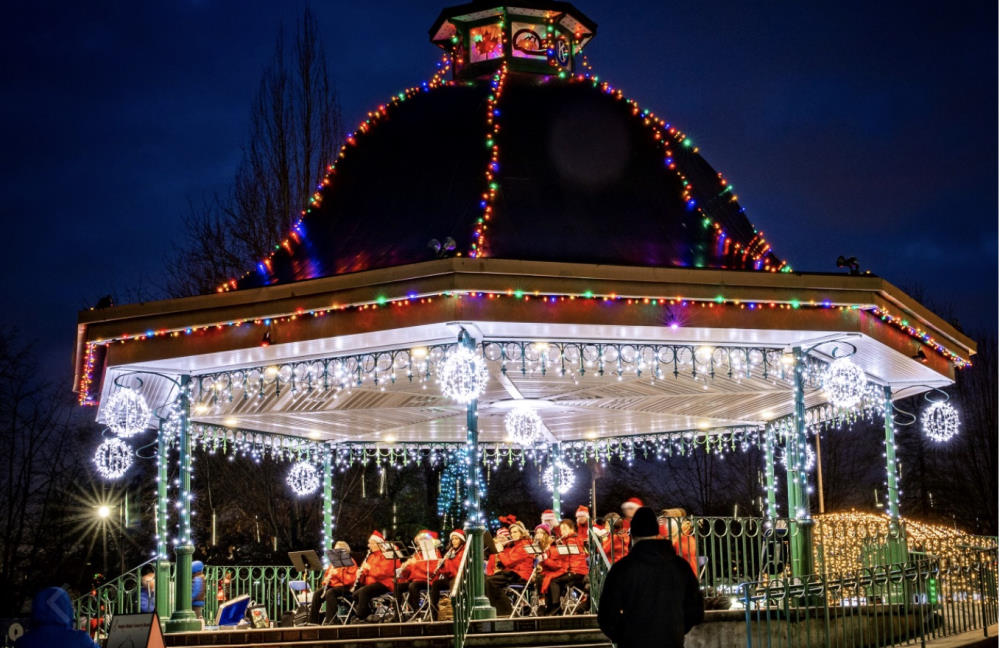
(582, 523)
(616, 543)
(550, 566)
(514, 565)
(629, 507)
(374, 576)
(336, 582)
(448, 570)
(576, 568)
(420, 569)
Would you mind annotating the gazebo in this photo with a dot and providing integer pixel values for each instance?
(511, 259)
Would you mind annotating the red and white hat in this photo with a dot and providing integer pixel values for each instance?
(502, 532)
(582, 511)
(377, 536)
(549, 517)
(631, 504)
(457, 533)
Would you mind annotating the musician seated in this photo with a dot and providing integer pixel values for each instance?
(446, 573)
(419, 567)
(514, 566)
(374, 577)
(500, 540)
(549, 565)
(576, 569)
(336, 583)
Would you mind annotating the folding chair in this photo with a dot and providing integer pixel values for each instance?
(422, 611)
(520, 595)
(344, 602)
(384, 607)
(572, 600)
(302, 596)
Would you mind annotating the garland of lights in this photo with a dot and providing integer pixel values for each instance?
(113, 458)
(566, 477)
(303, 478)
(463, 375)
(523, 426)
(940, 422)
(845, 383)
(126, 412)
(477, 247)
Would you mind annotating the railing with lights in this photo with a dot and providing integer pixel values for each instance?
(894, 605)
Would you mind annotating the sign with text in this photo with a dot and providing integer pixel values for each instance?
(135, 631)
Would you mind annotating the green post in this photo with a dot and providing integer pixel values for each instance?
(327, 504)
(556, 481)
(475, 525)
(800, 543)
(183, 619)
(770, 485)
(162, 559)
(896, 542)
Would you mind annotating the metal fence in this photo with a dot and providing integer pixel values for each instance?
(266, 585)
(895, 605)
(93, 611)
(461, 599)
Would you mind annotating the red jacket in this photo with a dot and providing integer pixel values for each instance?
(553, 565)
(340, 576)
(583, 532)
(379, 570)
(450, 567)
(420, 570)
(620, 544)
(577, 563)
(515, 559)
(686, 546)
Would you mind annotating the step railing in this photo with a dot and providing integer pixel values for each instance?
(888, 605)
(94, 610)
(599, 565)
(461, 596)
(266, 585)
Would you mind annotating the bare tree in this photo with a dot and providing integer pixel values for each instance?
(295, 124)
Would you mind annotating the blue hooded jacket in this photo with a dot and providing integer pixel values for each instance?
(197, 584)
(52, 623)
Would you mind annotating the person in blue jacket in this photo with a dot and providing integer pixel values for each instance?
(198, 588)
(147, 593)
(52, 623)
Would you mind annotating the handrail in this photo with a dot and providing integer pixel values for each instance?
(118, 596)
(461, 600)
(599, 567)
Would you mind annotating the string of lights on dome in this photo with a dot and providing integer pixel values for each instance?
(669, 304)
(478, 245)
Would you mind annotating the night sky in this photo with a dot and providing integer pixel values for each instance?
(863, 129)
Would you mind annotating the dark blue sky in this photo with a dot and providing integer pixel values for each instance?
(857, 128)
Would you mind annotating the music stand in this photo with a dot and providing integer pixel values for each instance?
(390, 552)
(304, 561)
(568, 550)
(339, 557)
(533, 550)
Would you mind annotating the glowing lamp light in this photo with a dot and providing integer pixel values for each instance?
(126, 412)
(303, 478)
(103, 511)
(524, 426)
(844, 383)
(463, 375)
(113, 458)
(565, 475)
(940, 422)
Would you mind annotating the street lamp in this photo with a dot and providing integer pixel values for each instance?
(103, 511)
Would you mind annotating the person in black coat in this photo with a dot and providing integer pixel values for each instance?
(650, 597)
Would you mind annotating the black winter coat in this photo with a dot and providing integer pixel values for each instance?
(650, 598)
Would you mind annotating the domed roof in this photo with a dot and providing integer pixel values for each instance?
(517, 166)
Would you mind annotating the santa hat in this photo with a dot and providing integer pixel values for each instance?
(376, 536)
(502, 532)
(457, 533)
(631, 504)
(582, 511)
(549, 517)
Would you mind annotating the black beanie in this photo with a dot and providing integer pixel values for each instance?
(644, 523)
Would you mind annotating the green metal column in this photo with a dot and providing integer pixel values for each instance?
(556, 481)
(183, 619)
(800, 543)
(475, 525)
(770, 485)
(327, 540)
(896, 542)
(162, 559)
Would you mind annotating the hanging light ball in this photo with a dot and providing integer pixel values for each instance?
(303, 478)
(940, 421)
(524, 426)
(113, 458)
(844, 383)
(126, 412)
(566, 476)
(463, 375)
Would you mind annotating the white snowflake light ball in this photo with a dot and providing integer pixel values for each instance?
(126, 412)
(303, 478)
(566, 477)
(113, 458)
(463, 375)
(940, 422)
(523, 426)
(844, 383)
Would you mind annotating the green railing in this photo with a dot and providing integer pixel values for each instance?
(461, 599)
(599, 566)
(893, 605)
(265, 584)
(117, 596)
